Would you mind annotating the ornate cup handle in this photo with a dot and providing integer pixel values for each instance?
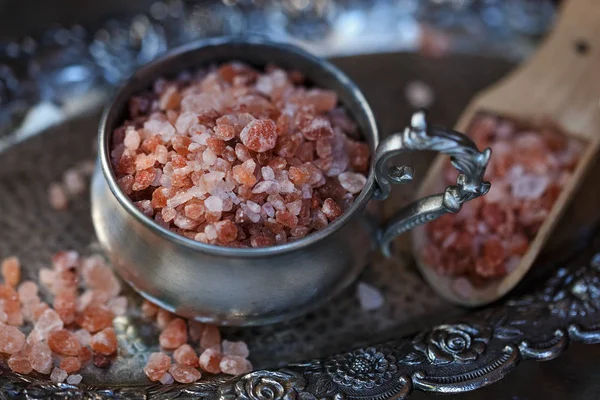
(465, 157)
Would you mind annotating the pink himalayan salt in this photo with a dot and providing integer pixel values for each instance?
(74, 182)
(104, 342)
(174, 335)
(210, 360)
(11, 271)
(74, 379)
(352, 182)
(57, 197)
(195, 330)
(369, 297)
(48, 322)
(235, 349)
(40, 358)
(58, 375)
(157, 365)
(28, 292)
(63, 342)
(70, 364)
(166, 379)
(202, 141)
(99, 276)
(149, 310)
(184, 374)
(235, 365)
(64, 305)
(211, 336)
(95, 318)
(19, 363)
(186, 355)
(12, 339)
(163, 317)
(65, 260)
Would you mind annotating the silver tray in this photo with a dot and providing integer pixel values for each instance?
(415, 342)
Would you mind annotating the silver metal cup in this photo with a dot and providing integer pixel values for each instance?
(234, 286)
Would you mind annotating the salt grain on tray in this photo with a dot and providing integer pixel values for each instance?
(239, 157)
(76, 328)
(489, 236)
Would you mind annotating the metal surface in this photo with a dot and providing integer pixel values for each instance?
(226, 285)
(465, 156)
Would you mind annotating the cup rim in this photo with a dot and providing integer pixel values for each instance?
(297, 244)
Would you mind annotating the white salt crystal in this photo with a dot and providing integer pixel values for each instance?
(214, 204)
(352, 182)
(74, 379)
(132, 139)
(419, 94)
(57, 197)
(166, 379)
(252, 206)
(58, 375)
(209, 157)
(370, 298)
(267, 173)
(210, 231)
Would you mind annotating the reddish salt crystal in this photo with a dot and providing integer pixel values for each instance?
(331, 209)
(174, 335)
(74, 379)
(262, 241)
(34, 337)
(299, 175)
(64, 305)
(98, 276)
(11, 339)
(224, 131)
(210, 337)
(259, 135)
(40, 358)
(126, 183)
(235, 349)
(184, 374)
(163, 318)
(170, 98)
(102, 361)
(352, 181)
(318, 128)
(11, 271)
(143, 179)
(95, 318)
(186, 355)
(322, 100)
(306, 152)
(195, 330)
(227, 231)
(157, 365)
(48, 322)
(105, 342)
(243, 176)
(235, 365)
(85, 354)
(70, 364)
(210, 360)
(38, 310)
(58, 375)
(57, 196)
(149, 310)
(74, 182)
(286, 218)
(64, 343)
(19, 363)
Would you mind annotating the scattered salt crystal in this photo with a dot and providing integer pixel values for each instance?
(235, 349)
(235, 365)
(166, 379)
(83, 336)
(210, 360)
(12, 339)
(57, 196)
(74, 182)
(58, 375)
(370, 298)
(11, 271)
(74, 379)
(48, 322)
(419, 94)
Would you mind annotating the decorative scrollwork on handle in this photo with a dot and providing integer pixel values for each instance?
(464, 156)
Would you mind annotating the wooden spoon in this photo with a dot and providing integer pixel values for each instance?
(561, 82)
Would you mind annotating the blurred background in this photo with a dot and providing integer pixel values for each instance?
(58, 58)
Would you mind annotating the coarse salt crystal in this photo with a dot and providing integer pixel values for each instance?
(369, 297)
